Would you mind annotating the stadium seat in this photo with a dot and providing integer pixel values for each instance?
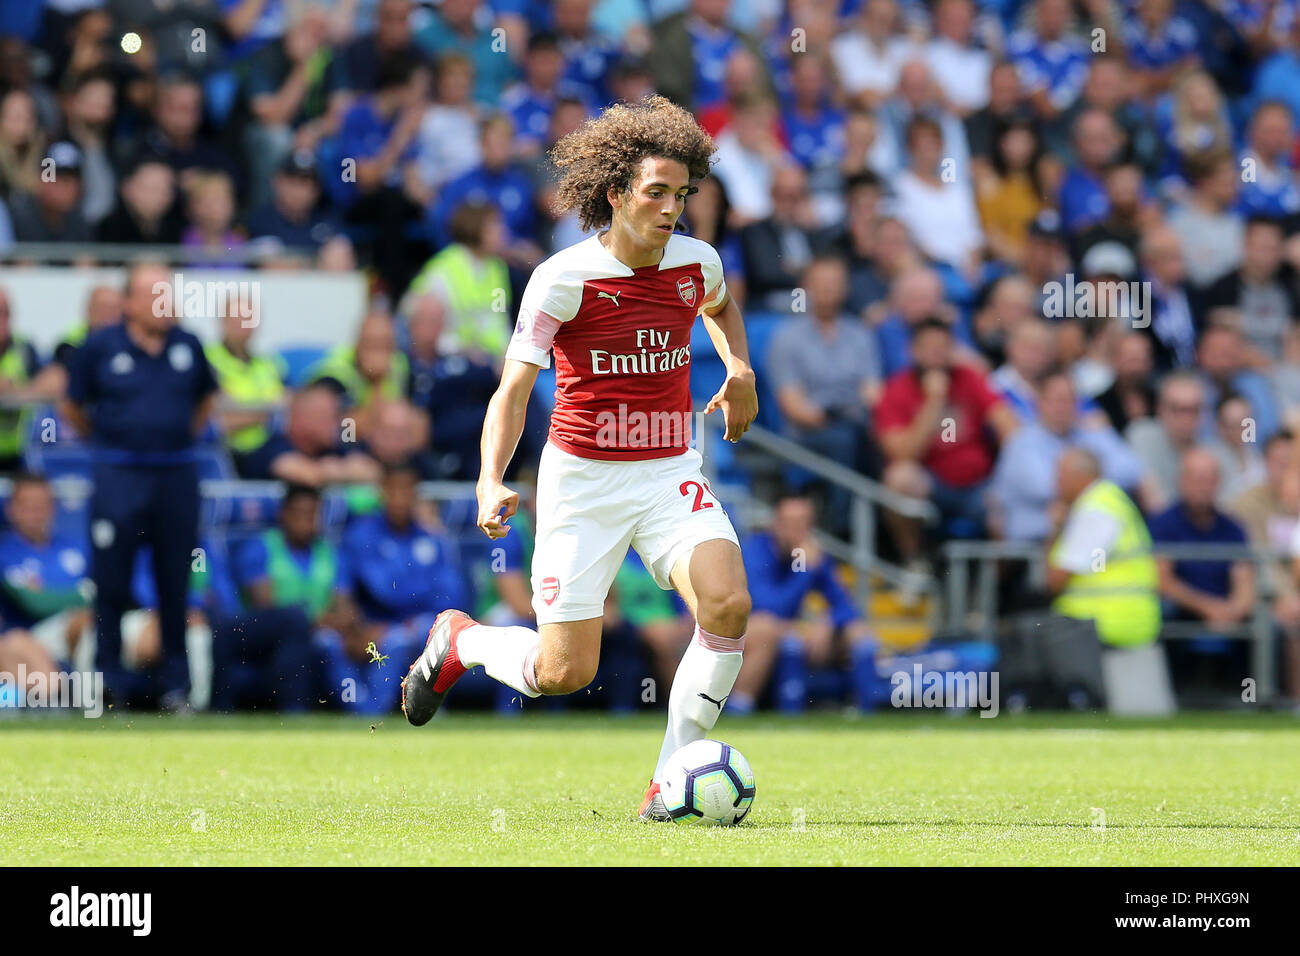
(298, 361)
(544, 389)
(759, 329)
(248, 511)
(59, 460)
(708, 370)
(460, 515)
(214, 464)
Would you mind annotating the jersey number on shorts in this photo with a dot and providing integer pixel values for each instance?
(700, 503)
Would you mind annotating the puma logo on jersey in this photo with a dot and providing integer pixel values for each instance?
(612, 298)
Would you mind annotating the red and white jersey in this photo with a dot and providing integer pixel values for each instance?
(622, 341)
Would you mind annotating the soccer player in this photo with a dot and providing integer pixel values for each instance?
(617, 469)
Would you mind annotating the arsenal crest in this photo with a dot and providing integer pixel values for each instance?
(550, 590)
(686, 289)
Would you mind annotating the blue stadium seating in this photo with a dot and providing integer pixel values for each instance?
(708, 371)
(59, 460)
(298, 361)
(544, 389)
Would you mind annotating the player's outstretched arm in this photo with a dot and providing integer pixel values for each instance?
(502, 426)
(737, 397)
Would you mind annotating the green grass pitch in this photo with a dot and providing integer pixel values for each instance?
(562, 789)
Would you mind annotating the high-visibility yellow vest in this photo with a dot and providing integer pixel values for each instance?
(478, 297)
(14, 422)
(76, 335)
(259, 381)
(1121, 594)
(341, 365)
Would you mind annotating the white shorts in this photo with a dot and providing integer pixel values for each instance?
(589, 512)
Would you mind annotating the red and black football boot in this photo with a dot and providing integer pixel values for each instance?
(436, 669)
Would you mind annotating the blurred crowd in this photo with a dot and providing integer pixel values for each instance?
(976, 233)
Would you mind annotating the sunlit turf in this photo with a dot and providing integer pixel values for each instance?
(563, 789)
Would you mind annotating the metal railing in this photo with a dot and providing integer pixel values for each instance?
(987, 555)
(252, 254)
(865, 494)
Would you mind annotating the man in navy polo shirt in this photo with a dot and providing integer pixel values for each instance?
(1218, 593)
(141, 391)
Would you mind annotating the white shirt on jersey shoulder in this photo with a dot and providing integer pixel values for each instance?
(1088, 533)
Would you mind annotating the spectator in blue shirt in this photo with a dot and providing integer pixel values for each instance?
(378, 131)
(292, 218)
(310, 449)
(1278, 77)
(1053, 65)
(499, 181)
(825, 372)
(1220, 594)
(1261, 23)
(530, 102)
(1024, 481)
(453, 388)
(177, 137)
(915, 295)
(252, 24)
(1268, 177)
(426, 321)
(588, 55)
(377, 145)
(1191, 120)
(814, 126)
(690, 53)
(784, 566)
(1031, 351)
(1221, 361)
(402, 569)
(1160, 46)
(356, 67)
(402, 574)
(1097, 144)
(45, 576)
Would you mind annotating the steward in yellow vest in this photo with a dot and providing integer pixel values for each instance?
(372, 368)
(1100, 567)
(473, 280)
(246, 380)
(17, 365)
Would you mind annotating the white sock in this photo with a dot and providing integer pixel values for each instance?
(709, 668)
(508, 654)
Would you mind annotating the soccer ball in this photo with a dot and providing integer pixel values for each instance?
(708, 782)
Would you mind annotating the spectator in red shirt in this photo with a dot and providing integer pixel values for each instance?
(933, 420)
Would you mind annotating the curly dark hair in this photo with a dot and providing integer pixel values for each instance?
(606, 153)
